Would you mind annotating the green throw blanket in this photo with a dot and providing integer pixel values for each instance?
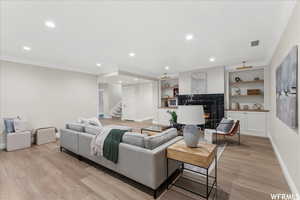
(111, 144)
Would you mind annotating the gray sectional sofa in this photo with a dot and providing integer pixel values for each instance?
(142, 158)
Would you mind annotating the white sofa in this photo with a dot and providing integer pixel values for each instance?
(146, 165)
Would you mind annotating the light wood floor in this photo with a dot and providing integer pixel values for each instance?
(246, 172)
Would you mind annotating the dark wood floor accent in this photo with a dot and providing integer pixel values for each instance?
(246, 172)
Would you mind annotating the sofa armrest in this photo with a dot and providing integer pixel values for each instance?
(146, 166)
(69, 140)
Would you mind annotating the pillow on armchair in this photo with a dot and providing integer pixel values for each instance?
(9, 125)
(225, 125)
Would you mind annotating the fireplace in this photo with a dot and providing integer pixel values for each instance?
(213, 105)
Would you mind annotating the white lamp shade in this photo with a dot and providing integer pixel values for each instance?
(191, 115)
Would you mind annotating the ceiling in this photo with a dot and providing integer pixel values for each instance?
(90, 32)
(115, 78)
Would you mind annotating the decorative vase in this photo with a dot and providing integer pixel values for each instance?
(237, 79)
(191, 135)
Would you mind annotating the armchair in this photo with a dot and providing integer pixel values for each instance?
(18, 140)
(17, 135)
(234, 129)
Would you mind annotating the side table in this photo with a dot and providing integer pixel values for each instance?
(201, 156)
(45, 135)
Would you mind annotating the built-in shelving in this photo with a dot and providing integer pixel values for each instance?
(168, 91)
(246, 82)
(248, 93)
(169, 87)
(248, 110)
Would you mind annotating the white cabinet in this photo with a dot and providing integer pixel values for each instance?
(239, 116)
(257, 122)
(252, 123)
(163, 117)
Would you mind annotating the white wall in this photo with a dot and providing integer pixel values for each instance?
(111, 96)
(144, 100)
(44, 96)
(145, 104)
(215, 80)
(2, 146)
(286, 141)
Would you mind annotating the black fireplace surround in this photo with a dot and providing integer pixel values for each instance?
(213, 105)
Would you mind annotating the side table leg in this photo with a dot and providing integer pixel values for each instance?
(216, 171)
(207, 183)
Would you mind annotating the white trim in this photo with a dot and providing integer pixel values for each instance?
(285, 170)
(143, 119)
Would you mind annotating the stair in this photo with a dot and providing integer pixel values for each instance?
(116, 111)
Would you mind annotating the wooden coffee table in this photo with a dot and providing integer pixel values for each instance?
(201, 156)
(154, 129)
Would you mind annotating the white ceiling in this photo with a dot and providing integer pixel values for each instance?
(88, 32)
(115, 78)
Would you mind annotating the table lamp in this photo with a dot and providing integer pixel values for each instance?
(191, 116)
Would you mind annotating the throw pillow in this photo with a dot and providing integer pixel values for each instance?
(136, 139)
(84, 121)
(94, 130)
(225, 125)
(75, 127)
(9, 125)
(151, 142)
(94, 122)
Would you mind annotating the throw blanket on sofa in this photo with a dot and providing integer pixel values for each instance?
(97, 143)
(111, 144)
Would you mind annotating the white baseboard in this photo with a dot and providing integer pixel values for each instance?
(285, 170)
(144, 119)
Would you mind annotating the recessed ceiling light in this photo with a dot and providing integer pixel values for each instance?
(98, 64)
(167, 67)
(189, 36)
(212, 59)
(50, 24)
(132, 54)
(26, 48)
(136, 79)
(119, 81)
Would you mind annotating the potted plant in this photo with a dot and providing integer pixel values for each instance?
(173, 120)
